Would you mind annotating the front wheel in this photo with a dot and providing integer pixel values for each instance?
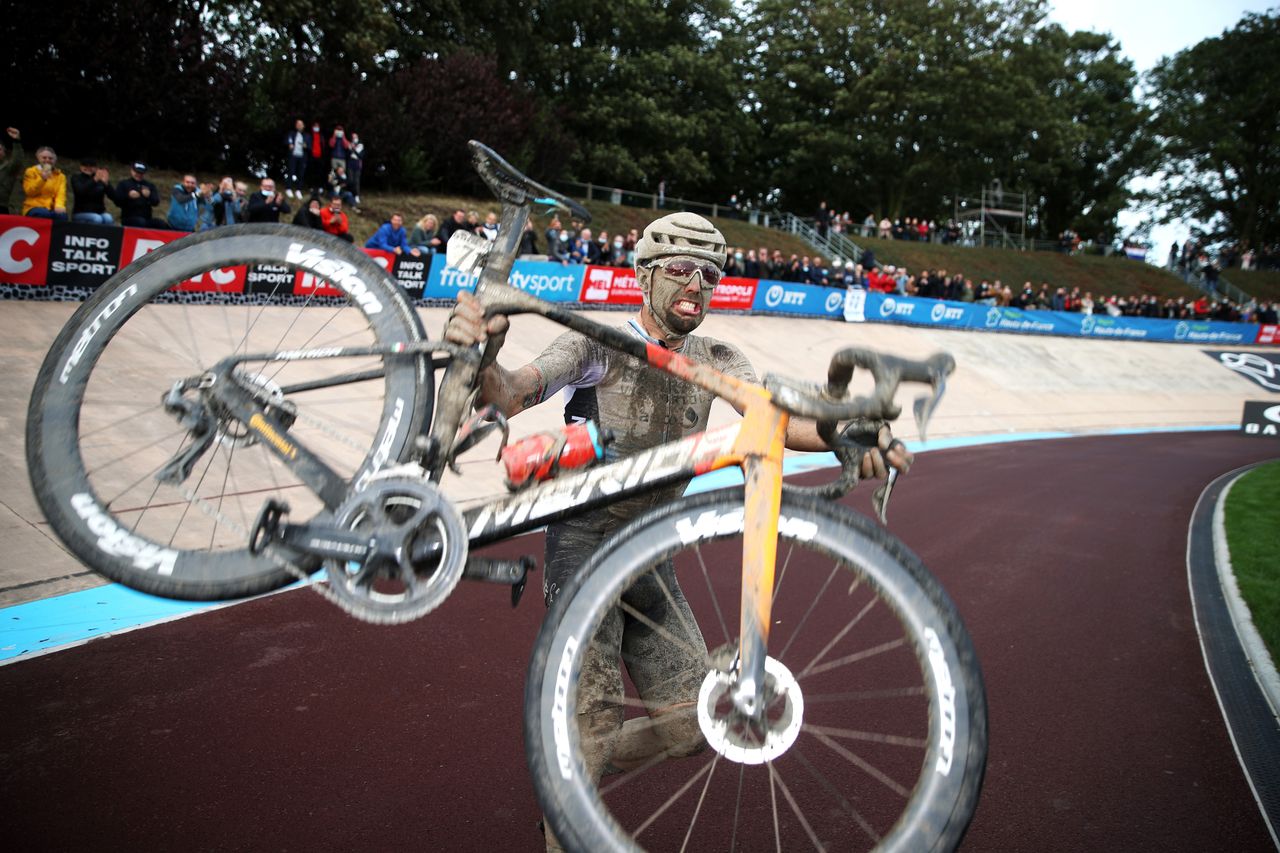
(875, 732)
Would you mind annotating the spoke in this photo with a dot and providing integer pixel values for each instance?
(854, 658)
(838, 797)
(737, 807)
(862, 695)
(632, 775)
(698, 654)
(795, 807)
(715, 601)
(874, 737)
(691, 630)
(146, 409)
(226, 476)
(791, 548)
(701, 798)
(841, 635)
(800, 625)
(680, 792)
(773, 802)
(193, 337)
(143, 448)
(863, 765)
(146, 475)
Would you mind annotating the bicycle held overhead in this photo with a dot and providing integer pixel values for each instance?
(310, 435)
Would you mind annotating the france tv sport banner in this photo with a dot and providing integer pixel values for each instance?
(547, 280)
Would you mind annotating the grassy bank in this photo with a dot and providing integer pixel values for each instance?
(1253, 537)
(1101, 276)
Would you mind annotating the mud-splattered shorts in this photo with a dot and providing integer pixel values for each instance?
(654, 633)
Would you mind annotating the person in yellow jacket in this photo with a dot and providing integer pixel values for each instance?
(45, 187)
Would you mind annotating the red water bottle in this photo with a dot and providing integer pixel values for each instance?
(540, 456)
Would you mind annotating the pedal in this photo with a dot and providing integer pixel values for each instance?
(512, 573)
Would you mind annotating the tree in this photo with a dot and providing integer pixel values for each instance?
(1081, 136)
(1217, 124)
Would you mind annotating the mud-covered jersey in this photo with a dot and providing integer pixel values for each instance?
(642, 406)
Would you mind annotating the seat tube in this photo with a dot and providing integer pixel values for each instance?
(759, 558)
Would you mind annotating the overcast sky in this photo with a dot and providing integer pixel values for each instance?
(1149, 30)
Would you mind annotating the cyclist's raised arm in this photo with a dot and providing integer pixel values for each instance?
(512, 391)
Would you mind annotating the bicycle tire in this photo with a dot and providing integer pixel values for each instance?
(931, 813)
(96, 431)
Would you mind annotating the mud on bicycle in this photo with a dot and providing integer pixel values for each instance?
(289, 439)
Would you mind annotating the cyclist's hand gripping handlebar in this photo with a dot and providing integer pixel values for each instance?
(830, 405)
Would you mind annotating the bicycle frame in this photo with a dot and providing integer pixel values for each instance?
(755, 445)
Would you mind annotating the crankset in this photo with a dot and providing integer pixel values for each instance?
(393, 551)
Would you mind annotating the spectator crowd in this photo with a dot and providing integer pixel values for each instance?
(323, 175)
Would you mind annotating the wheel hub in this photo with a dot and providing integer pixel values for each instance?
(744, 739)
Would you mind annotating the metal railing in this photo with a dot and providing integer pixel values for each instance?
(655, 201)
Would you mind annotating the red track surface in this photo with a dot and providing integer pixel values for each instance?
(282, 724)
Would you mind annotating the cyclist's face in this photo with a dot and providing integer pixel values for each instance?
(680, 300)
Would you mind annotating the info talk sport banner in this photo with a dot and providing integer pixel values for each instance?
(38, 254)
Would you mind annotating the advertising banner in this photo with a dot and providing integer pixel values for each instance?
(609, 286)
(1261, 420)
(83, 255)
(1260, 367)
(807, 300)
(548, 280)
(855, 305)
(24, 249)
(1268, 334)
(734, 294)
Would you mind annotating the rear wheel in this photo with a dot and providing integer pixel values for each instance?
(97, 432)
(875, 730)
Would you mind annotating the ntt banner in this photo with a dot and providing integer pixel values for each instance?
(889, 308)
(806, 300)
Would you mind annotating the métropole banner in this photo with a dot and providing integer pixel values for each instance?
(39, 253)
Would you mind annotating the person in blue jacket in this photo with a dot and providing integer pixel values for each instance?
(390, 237)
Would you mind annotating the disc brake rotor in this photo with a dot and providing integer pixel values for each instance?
(740, 738)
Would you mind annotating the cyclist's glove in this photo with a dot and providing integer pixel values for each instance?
(879, 450)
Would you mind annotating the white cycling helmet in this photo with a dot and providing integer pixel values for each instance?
(681, 234)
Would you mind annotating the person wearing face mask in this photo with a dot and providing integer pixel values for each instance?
(295, 145)
(339, 147)
(679, 260)
(45, 187)
(618, 255)
(355, 165)
(333, 219)
(267, 205)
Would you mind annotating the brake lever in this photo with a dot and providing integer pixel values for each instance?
(880, 497)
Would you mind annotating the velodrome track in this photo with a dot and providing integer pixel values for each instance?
(282, 724)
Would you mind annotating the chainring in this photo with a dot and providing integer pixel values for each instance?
(418, 550)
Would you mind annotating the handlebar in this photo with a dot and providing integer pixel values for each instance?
(829, 404)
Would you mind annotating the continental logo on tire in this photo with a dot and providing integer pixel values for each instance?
(259, 424)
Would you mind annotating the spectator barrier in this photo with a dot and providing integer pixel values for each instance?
(42, 259)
